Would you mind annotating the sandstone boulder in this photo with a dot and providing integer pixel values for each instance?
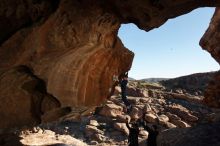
(117, 90)
(180, 123)
(121, 127)
(151, 118)
(133, 100)
(123, 118)
(144, 100)
(143, 134)
(172, 116)
(147, 108)
(163, 119)
(111, 110)
(135, 92)
(93, 123)
(98, 137)
(92, 130)
(169, 125)
(136, 113)
(183, 113)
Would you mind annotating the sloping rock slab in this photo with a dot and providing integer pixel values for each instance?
(201, 135)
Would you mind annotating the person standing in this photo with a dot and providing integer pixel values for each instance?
(123, 83)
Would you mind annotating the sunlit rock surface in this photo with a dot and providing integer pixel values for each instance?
(71, 48)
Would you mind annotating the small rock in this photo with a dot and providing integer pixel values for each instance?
(151, 93)
(170, 125)
(147, 108)
(36, 129)
(121, 127)
(117, 90)
(136, 113)
(179, 91)
(91, 130)
(180, 123)
(133, 100)
(93, 123)
(111, 110)
(143, 133)
(144, 100)
(99, 137)
(94, 143)
(172, 116)
(123, 118)
(109, 102)
(163, 119)
(151, 118)
(145, 93)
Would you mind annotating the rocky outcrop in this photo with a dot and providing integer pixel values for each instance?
(111, 110)
(210, 42)
(24, 98)
(194, 84)
(202, 135)
(212, 92)
(75, 52)
(72, 46)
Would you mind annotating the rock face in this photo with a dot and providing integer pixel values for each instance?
(212, 92)
(202, 135)
(74, 52)
(72, 48)
(210, 42)
(195, 83)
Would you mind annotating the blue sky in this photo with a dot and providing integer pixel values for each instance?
(173, 49)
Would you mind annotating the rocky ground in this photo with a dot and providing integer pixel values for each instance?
(173, 111)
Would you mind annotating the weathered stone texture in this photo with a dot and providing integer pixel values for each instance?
(210, 42)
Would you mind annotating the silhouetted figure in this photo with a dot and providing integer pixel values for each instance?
(123, 83)
(133, 134)
(152, 134)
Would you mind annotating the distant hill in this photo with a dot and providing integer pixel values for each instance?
(154, 80)
(190, 83)
(131, 79)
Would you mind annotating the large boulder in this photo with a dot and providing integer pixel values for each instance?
(111, 110)
(136, 92)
